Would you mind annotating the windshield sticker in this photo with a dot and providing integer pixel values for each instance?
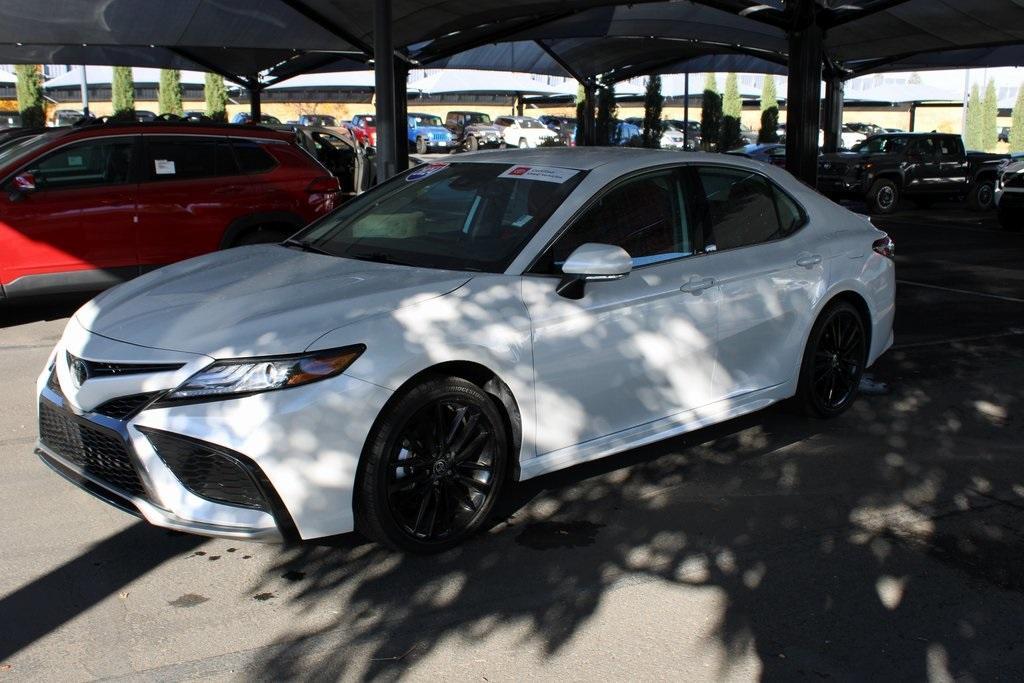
(74, 161)
(423, 172)
(163, 167)
(548, 174)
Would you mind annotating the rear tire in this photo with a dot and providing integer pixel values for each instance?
(883, 196)
(523, 144)
(433, 467)
(833, 361)
(982, 195)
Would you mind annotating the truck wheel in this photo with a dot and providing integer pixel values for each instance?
(981, 196)
(421, 146)
(472, 144)
(1010, 219)
(883, 196)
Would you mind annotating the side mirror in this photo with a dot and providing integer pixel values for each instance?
(592, 262)
(21, 185)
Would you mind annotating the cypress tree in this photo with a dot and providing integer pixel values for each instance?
(170, 92)
(972, 136)
(30, 95)
(769, 131)
(653, 102)
(216, 98)
(710, 113)
(122, 94)
(606, 110)
(1017, 124)
(989, 118)
(731, 110)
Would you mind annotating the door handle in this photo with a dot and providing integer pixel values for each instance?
(809, 260)
(696, 285)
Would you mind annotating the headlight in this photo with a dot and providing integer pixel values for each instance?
(242, 376)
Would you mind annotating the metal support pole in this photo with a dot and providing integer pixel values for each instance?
(401, 115)
(85, 93)
(833, 124)
(255, 105)
(686, 110)
(384, 80)
(913, 116)
(803, 108)
(589, 110)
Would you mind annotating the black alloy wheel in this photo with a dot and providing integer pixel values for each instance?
(833, 362)
(883, 197)
(435, 467)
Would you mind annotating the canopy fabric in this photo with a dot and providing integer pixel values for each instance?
(104, 75)
(7, 77)
(328, 79)
(903, 94)
(449, 81)
(578, 37)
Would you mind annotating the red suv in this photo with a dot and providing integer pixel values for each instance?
(364, 129)
(84, 208)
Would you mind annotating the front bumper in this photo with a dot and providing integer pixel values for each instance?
(840, 185)
(301, 446)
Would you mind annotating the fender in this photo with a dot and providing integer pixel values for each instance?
(240, 225)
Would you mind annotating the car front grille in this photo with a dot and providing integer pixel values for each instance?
(98, 453)
(98, 369)
(124, 407)
(832, 169)
(208, 471)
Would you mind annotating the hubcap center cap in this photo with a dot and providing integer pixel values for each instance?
(440, 467)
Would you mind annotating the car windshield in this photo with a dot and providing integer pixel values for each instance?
(881, 145)
(459, 216)
(367, 121)
(478, 118)
(424, 120)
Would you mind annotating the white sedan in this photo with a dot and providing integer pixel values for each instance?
(396, 365)
(524, 131)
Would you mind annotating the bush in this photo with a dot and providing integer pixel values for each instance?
(30, 95)
(170, 92)
(122, 94)
(216, 98)
(653, 102)
(606, 110)
(769, 131)
(730, 137)
(1017, 125)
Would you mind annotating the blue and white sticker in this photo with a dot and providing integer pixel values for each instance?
(424, 171)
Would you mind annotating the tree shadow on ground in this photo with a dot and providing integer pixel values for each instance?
(885, 543)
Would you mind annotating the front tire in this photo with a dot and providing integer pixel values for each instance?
(472, 144)
(421, 146)
(883, 196)
(982, 195)
(523, 144)
(833, 361)
(433, 467)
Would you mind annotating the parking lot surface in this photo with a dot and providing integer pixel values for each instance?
(886, 543)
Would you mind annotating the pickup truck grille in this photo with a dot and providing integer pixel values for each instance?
(831, 168)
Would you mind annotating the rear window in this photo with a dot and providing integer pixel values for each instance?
(252, 157)
(184, 158)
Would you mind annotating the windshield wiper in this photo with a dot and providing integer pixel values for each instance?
(305, 246)
(378, 257)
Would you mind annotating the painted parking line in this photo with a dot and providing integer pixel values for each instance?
(1012, 332)
(999, 297)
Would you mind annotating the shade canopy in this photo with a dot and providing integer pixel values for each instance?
(570, 37)
(104, 75)
(451, 81)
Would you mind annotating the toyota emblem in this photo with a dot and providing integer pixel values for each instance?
(79, 372)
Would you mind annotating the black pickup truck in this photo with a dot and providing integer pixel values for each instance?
(923, 167)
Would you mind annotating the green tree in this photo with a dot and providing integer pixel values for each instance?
(30, 95)
(653, 102)
(769, 131)
(710, 113)
(732, 107)
(216, 98)
(972, 136)
(1017, 125)
(606, 111)
(170, 92)
(122, 94)
(989, 118)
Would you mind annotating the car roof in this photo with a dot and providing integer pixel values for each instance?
(169, 127)
(589, 158)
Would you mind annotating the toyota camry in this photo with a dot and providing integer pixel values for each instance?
(397, 364)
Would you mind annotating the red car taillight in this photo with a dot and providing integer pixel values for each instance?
(884, 246)
(324, 185)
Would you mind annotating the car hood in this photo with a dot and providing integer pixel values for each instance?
(432, 129)
(258, 300)
(483, 128)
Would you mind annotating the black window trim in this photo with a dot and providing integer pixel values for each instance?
(230, 139)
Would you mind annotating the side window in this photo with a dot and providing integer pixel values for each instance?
(791, 216)
(740, 209)
(252, 158)
(922, 146)
(645, 216)
(949, 148)
(86, 164)
(185, 158)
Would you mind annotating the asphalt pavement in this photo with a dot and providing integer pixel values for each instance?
(885, 544)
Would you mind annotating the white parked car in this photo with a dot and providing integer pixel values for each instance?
(395, 365)
(523, 131)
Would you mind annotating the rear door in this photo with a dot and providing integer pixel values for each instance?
(768, 274)
(80, 216)
(189, 194)
(953, 168)
(922, 174)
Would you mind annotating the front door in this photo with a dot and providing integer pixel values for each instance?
(632, 350)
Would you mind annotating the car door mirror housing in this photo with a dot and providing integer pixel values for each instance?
(21, 185)
(593, 262)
